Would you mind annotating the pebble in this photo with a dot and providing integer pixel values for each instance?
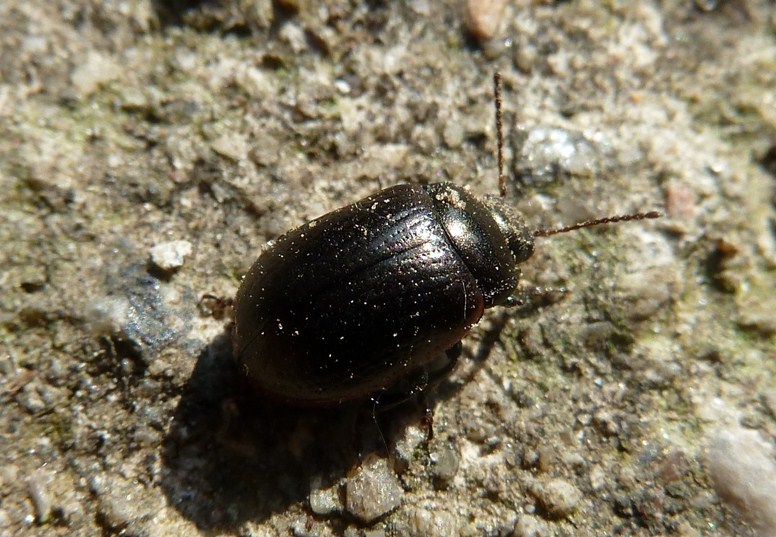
(5, 520)
(432, 522)
(92, 72)
(31, 400)
(324, 500)
(444, 464)
(107, 316)
(742, 468)
(169, 256)
(526, 57)
(647, 291)
(530, 526)
(409, 440)
(421, 7)
(483, 18)
(597, 477)
(453, 134)
(115, 514)
(41, 501)
(294, 36)
(549, 154)
(558, 497)
(373, 490)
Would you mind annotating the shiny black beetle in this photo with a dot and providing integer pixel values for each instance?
(348, 305)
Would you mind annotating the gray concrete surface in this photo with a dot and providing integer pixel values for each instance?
(643, 402)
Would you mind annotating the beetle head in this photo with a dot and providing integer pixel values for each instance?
(519, 238)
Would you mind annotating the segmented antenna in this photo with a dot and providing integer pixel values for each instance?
(502, 182)
(599, 221)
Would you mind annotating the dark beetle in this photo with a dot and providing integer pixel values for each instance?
(348, 305)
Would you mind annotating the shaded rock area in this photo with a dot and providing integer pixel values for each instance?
(150, 149)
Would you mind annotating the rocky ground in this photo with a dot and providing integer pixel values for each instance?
(149, 150)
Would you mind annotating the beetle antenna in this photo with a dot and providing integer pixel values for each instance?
(599, 221)
(502, 182)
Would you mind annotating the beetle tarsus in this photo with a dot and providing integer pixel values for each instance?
(210, 305)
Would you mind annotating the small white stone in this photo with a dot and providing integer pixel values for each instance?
(169, 256)
(231, 145)
(558, 497)
(37, 486)
(742, 469)
(483, 18)
(530, 526)
(342, 86)
(93, 71)
(324, 500)
(108, 316)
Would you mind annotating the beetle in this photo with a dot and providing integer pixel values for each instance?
(368, 296)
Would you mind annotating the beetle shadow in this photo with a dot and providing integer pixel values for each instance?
(230, 457)
(489, 339)
(478, 357)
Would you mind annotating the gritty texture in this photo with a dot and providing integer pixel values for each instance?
(616, 409)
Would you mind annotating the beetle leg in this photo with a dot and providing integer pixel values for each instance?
(409, 387)
(214, 306)
(535, 297)
(428, 417)
(418, 382)
(436, 376)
